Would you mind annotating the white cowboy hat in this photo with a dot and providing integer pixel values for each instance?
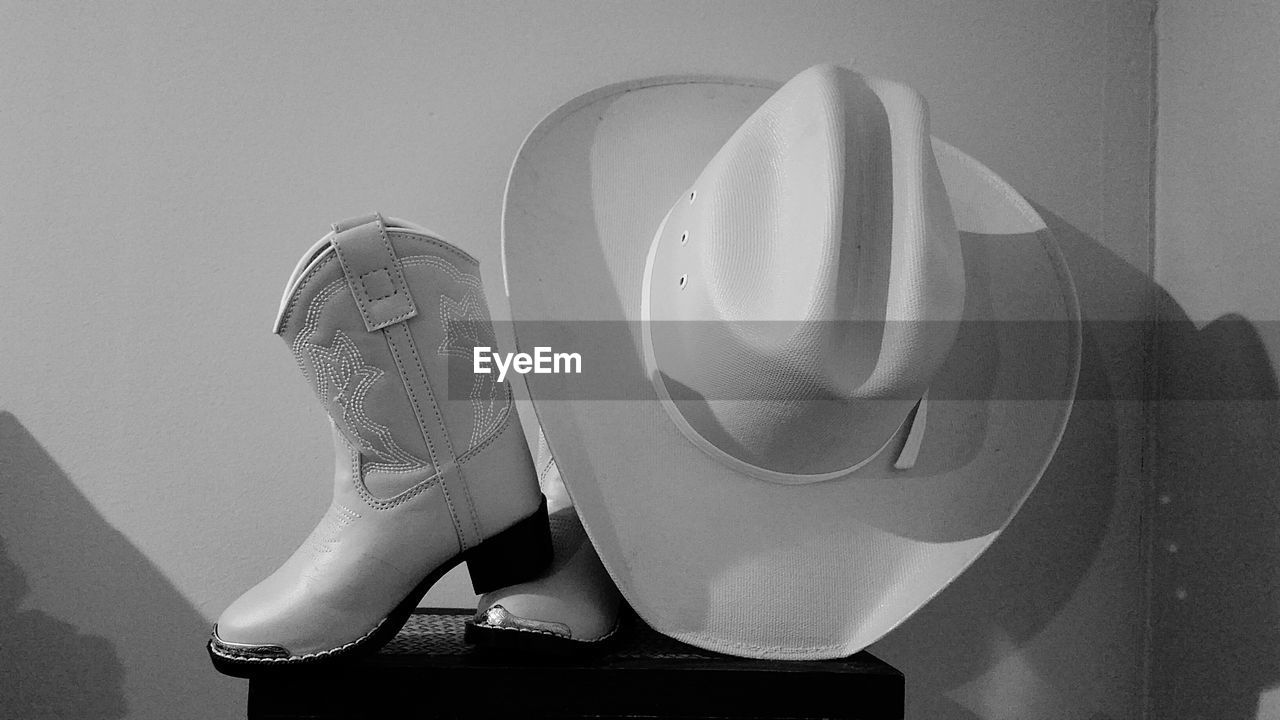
(825, 356)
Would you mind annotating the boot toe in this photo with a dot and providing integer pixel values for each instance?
(245, 651)
(247, 629)
(497, 617)
(575, 600)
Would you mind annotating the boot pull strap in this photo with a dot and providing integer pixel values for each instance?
(372, 271)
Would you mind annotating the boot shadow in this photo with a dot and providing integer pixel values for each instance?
(89, 627)
(85, 680)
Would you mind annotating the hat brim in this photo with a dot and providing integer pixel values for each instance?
(707, 555)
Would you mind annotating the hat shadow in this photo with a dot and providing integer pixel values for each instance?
(1068, 578)
(1215, 648)
(989, 616)
(89, 627)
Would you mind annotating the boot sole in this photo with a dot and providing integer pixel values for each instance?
(519, 553)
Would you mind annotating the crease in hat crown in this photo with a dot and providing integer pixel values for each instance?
(800, 295)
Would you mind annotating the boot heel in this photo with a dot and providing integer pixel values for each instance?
(519, 553)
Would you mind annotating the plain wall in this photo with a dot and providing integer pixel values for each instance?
(1216, 509)
(163, 165)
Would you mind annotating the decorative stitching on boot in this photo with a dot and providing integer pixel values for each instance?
(484, 417)
(366, 246)
(499, 417)
(546, 469)
(312, 321)
(441, 468)
(468, 314)
(331, 528)
(486, 442)
(413, 237)
(377, 281)
(473, 282)
(435, 242)
(376, 503)
(297, 293)
(452, 456)
(214, 645)
(493, 423)
(301, 347)
(336, 368)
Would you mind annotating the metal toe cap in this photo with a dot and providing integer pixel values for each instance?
(499, 618)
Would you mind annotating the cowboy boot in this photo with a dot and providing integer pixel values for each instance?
(573, 607)
(432, 468)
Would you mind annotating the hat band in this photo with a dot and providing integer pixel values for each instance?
(905, 460)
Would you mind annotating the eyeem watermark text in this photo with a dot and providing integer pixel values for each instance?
(541, 362)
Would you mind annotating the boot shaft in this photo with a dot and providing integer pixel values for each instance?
(376, 315)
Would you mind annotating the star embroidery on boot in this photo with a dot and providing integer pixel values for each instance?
(466, 326)
(488, 406)
(343, 380)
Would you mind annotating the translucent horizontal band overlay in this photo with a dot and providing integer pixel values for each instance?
(604, 360)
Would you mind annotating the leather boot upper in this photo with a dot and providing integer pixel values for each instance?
(430, 458)
(575, 599)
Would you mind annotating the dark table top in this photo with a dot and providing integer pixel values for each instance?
(429, 671)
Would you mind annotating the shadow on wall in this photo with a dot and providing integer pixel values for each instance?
(1216, 593)
(984, 619)
(85, 680)
(89, 628)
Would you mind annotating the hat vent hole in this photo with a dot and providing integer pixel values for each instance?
(684, 280)
(692, 194)
(684, 238)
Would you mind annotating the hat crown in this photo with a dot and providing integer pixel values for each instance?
(806, 288)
